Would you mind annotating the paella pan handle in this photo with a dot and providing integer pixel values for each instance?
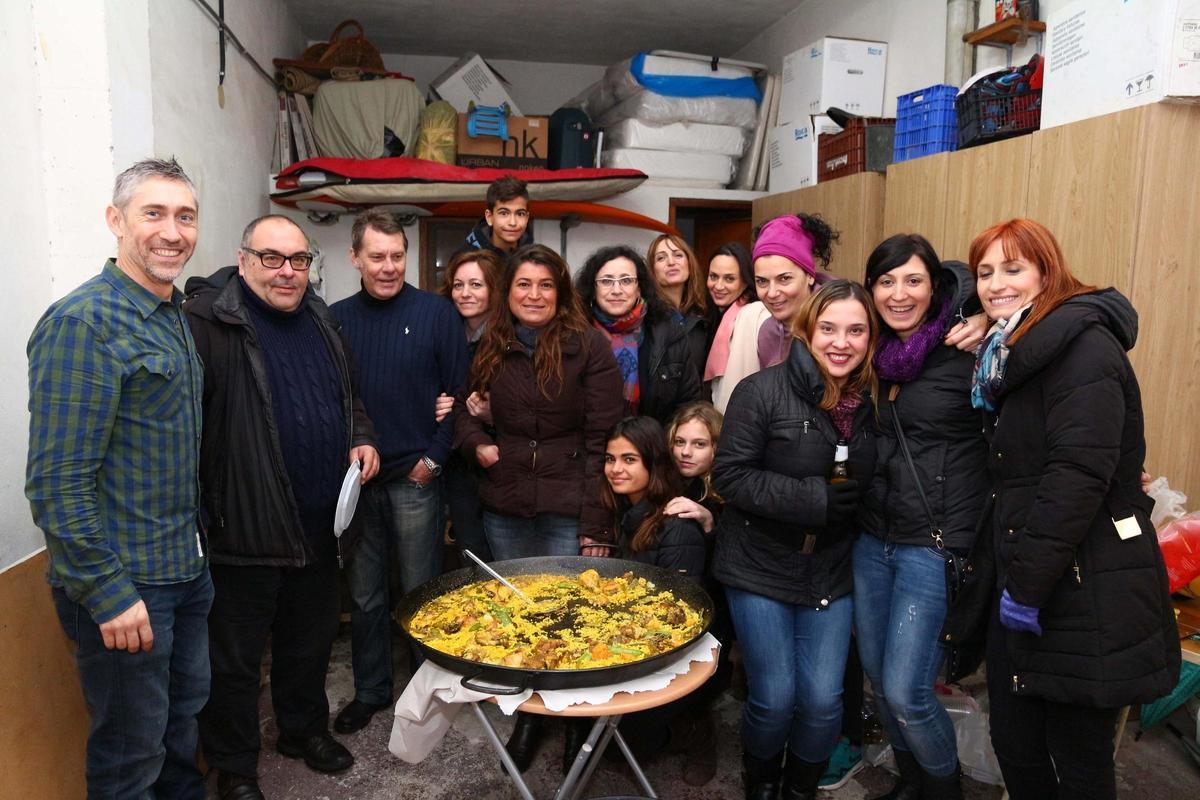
(488, 688)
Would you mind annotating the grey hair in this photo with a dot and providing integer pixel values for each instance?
(248, 233)
(131, 179)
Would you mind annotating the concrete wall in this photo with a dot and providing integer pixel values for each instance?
(537, 88)
(227, 151)
(90, 88)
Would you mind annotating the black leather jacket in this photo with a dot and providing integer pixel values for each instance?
(244, 488)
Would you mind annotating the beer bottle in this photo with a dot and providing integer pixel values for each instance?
(840, 472)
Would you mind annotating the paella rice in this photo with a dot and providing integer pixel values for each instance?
(573, 622)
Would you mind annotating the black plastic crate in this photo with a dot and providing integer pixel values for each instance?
(984, 118)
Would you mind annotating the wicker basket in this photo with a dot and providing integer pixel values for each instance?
(345, 49)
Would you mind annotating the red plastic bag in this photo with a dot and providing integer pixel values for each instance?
(1180, 544)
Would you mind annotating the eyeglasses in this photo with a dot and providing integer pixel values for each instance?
(625, 282)
(299, 261)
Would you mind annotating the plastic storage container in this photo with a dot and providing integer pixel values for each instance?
(926, 123)
(865, 145)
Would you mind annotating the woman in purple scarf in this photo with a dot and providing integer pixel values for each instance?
(918, 512)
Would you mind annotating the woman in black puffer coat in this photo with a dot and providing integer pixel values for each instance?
(900, 564)
(1079, 620)
(785, 535)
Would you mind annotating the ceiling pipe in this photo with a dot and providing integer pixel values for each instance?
(962, 17)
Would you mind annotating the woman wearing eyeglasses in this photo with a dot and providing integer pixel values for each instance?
(648, 338)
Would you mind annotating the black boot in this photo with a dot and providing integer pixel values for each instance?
(526, 736)
(908, 786)
(573, 738)
(761, 776)
(800, 778)
(946, 788)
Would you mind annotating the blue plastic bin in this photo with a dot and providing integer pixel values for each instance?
(926, 123)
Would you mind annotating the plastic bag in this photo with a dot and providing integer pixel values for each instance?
(439, 126)
(1168, 503)
(1180, 545)
(970, 718)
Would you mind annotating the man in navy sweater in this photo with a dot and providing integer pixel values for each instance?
(409, 347)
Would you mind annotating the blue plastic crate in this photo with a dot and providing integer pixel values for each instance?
(926, 123)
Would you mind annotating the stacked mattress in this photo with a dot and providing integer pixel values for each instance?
(682, 119)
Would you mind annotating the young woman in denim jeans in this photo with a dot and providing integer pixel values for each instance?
(785, 535)
(900, 561)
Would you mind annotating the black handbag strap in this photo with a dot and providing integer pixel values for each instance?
(934, 530)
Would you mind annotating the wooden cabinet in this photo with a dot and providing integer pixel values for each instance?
(1122, 195)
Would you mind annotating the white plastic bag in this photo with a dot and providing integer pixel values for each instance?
(975, 753)
(1168, 503)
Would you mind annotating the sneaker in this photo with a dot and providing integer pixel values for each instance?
(844, 764)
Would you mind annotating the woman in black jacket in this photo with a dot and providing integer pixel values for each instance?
(640, 482)
(649, 339)
(921, 514)
(1080, 622)
(786, 532)
(470, 279)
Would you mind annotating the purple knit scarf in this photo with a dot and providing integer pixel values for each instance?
(901, 361)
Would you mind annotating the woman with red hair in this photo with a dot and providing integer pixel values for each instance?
(1071, 584)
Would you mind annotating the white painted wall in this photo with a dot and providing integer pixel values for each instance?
(57, 162)
(537, 88)
(995, 57)
(227, 151)
(90, 88)
(915, 31)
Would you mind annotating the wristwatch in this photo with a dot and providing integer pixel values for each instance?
(434, 468)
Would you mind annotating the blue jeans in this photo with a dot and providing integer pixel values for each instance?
(142, 743)
(899, 607)
(526, 537)
(795, 657)
(402, 526)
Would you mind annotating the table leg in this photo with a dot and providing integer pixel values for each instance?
(498, 745)
(585, 761)
(634, 765)
(606, 726)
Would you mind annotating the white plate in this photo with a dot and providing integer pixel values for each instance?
(348, 499)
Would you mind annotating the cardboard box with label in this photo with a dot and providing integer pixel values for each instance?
(1104, 56)
(792, 153)
(833, 72)
(527, 146)
(471, 80)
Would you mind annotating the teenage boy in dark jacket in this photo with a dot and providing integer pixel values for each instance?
(281, 424)
(505, 223)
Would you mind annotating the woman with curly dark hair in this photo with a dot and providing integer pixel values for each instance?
(648, 338)
(786, 252)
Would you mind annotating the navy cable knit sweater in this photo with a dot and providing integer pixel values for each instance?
(306, 399)
(406, 350)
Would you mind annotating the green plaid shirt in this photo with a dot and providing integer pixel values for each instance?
(115, 393)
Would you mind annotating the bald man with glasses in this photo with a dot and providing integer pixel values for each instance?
(281, 426)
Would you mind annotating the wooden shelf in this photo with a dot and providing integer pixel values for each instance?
(1004, 33)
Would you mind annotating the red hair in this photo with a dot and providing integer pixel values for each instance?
(1024, 238)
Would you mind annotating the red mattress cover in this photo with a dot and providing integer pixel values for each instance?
(418, 170)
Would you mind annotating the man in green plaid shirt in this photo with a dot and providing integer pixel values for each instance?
(115, 391)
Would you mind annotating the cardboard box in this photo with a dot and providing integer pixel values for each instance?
(471, 80)
(527, 146)
(792, 153)
(1104, 56)
(832, 72)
